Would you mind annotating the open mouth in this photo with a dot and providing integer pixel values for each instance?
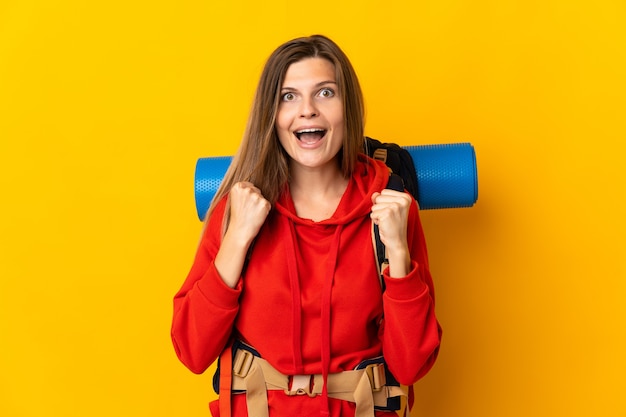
(310, 135)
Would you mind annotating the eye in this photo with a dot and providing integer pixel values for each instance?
(326, 92)
(288, 97)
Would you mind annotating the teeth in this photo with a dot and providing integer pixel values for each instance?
(301, 132)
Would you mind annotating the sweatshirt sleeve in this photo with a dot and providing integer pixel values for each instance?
(411, 333)
(204, 308)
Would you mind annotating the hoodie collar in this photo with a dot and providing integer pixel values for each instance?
(369, 176)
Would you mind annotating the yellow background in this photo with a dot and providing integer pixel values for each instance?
(105, 106)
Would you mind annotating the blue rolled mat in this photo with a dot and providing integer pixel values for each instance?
(446, 176)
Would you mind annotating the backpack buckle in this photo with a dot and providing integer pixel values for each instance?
(380, 154)
(376, 374)
(301, 385)
(242, 362)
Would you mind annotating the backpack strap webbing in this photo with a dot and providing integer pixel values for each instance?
(226, 378)
(367, 387)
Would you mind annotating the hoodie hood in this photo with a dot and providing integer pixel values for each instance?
(369, 176)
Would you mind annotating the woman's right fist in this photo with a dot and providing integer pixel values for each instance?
(248, 210)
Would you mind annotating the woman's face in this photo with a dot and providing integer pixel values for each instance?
(310, 123)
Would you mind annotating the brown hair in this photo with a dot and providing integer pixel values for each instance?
(260, 158)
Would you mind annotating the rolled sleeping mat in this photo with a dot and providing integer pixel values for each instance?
(446, 176)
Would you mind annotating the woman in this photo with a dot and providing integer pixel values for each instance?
(286, 271)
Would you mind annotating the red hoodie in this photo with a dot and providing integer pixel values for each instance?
(310, 300)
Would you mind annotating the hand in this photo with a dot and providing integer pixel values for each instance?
(248, 211)
(390, 212)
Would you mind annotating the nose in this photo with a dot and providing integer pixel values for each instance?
(308, 108)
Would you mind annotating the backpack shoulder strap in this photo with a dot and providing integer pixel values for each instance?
(380, 253)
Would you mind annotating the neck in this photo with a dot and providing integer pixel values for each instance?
(317, 193)
(317, 182)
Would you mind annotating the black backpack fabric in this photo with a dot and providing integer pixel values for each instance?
(398, 160)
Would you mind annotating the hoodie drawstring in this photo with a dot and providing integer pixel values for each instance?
(325, 310)
(296, 317)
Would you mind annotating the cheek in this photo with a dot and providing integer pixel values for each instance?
(282, 128)
(338, 122)
(336, 115)
(283, 120)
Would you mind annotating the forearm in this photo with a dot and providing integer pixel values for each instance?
(411, 332)
(399, 260)
(205, 308)
(203, 320)
(231, 258)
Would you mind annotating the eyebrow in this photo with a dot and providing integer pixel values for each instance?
(320, 84)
